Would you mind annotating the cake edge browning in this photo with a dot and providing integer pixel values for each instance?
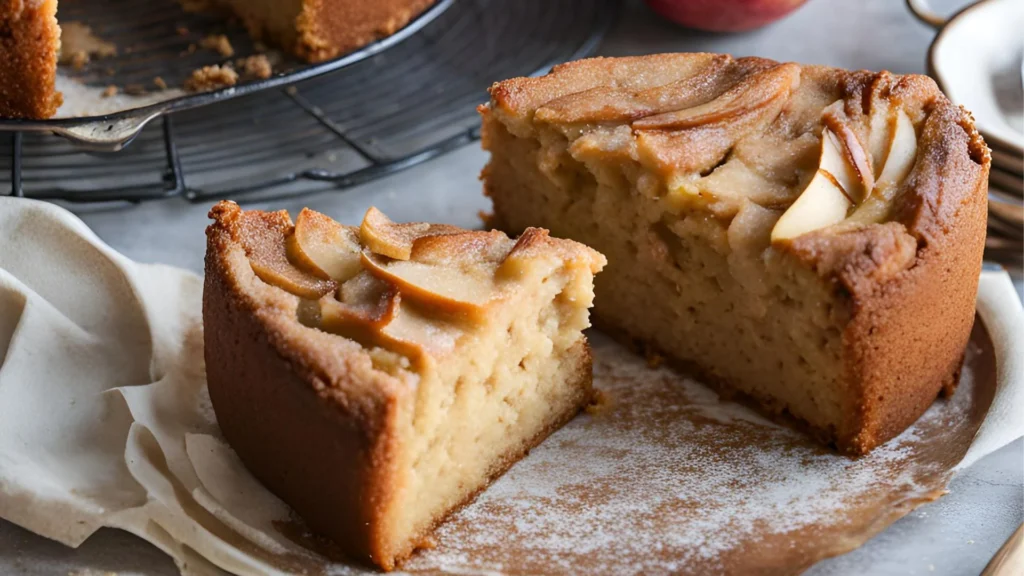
(29, 43)
(898, 362)
(250, 367)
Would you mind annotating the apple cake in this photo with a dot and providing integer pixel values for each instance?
(808, 239)
(376, 378)
(312, 30)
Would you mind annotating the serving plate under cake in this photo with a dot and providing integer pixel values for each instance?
(660, 477)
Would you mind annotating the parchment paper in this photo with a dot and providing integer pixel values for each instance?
(105, 421)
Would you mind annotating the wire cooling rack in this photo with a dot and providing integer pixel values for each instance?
(385, 112)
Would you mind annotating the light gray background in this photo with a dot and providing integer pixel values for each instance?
(956, 535)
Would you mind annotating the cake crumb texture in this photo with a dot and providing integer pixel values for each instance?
(257, 66)
(220, 44)
(211, 78)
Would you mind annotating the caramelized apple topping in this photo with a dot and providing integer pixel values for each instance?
(366, 307)
(324, 247)
(462, 292)
(263, 236)
(694, 141)
(370, 298)
(856, 160)
(823, 203)
(899, 160)
(382, 236)
(406, 288)
(712, 132)
(845, 180)
(749, 97)
(607, 104)
(458, 247)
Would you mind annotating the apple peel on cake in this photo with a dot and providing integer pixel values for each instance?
(377, 377)
(804, 237)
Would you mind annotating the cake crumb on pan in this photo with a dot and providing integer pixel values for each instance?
(219, 43)
(257, 66)
(211, 78)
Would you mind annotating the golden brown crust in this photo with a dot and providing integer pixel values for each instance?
(304, 411)
(318, 30)
(912, 283)
(909, 282)
(29, 42)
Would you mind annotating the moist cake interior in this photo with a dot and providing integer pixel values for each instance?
(703, 285)
(515, 382)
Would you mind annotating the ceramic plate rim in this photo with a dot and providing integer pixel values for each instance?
(935, 69)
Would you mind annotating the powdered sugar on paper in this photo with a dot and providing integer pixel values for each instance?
(670, 479)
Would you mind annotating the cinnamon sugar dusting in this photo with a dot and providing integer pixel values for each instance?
(671, 479)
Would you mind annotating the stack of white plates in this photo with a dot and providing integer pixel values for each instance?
(978, 61)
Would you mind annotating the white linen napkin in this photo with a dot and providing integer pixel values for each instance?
(104, 415)
(105, 418)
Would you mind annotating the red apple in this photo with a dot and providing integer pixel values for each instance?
(724, 15)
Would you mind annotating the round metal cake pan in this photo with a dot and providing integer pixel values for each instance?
(112, 131)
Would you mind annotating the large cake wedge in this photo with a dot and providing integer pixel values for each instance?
(806, 237)
(376, 378)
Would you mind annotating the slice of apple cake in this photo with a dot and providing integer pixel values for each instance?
(807, 237)
(377, 377)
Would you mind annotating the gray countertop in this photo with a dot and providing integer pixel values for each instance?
(956, 535)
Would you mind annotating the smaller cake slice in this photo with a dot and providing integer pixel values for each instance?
(376, 378)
